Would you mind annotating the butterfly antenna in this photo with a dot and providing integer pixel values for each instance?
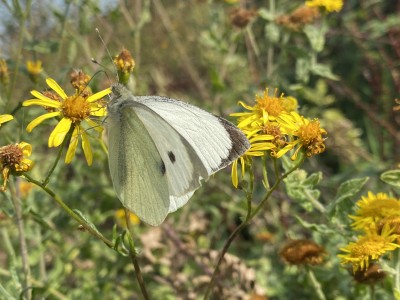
(109, 54)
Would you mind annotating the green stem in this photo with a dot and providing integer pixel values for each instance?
(248, 219)
(67, 138)
(315, 283)
(22, 241)
(70, 212)
(396, 259)
(132, 254)
(265, 172)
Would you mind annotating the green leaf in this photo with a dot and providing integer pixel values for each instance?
(321, 228)
(5, 295)
(391, 177)
(300, 187)
(83, 217)
(346, 192)
(323, 71)
(316, 36)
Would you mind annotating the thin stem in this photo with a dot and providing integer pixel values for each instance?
(67, 138)
(70, 212)
(315, 283)
(132, 254)
(265, 172)
(396, 258)
(280, 179)
(22, 241)
(241, 226)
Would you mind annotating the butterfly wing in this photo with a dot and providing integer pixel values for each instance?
(192, 142)
(137, 169)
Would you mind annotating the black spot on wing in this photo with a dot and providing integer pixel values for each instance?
(171, 156)
(239, 142)
(163, 170)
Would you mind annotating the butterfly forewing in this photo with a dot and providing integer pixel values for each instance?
(215, 141)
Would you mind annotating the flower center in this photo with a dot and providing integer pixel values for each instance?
(272, 105)
(76, 108)
(10, 155)
(274, 130)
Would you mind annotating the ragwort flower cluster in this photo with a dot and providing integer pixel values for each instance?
(378, 217)
(72, 112)
(14, 157)
(273, 126)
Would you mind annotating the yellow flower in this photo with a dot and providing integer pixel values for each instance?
(5, 118)
(13, 160)
(72, 110)
(34, 67)
(369, 247)
(121, 221)
(4, 74)
(372, 209)
(307, 133)
(328, 5)
(259, 124)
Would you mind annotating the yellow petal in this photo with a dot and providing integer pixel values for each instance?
(247, 106)
(98, 95)
(41, 100)
(94, 125)
(98, 111)
(235, 180)
(262, 137)
(73, 144)
(5, 118)
(26, 148)
(87, 150)
(59, 133)
(40, 119)
(55, 87)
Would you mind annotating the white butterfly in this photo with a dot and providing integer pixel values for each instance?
(161, 148)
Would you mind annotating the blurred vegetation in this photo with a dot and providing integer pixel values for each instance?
(342, 67)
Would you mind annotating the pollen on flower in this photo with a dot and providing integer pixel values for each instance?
(271, 104)
(275, 130)
(76, 108)
(310, 136)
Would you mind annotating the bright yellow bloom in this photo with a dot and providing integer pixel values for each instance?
(328, 5)
(13, 160)
(307, 133)
(372, 209)
(72, 110)
(5, 118)
(34, 67)
(121, 221)
(259, 124)
(369, 247)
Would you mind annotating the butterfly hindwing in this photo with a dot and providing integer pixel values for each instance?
(137, 169)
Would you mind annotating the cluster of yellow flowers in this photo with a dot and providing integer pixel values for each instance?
(274, 126)
(378, 218)
(75, 114)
